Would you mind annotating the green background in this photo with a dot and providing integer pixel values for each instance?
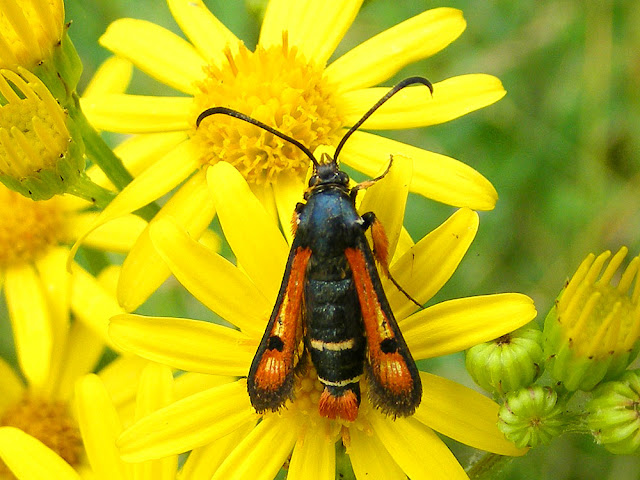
(561, 149)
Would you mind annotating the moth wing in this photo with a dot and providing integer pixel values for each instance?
(393, 378)
(271, 376)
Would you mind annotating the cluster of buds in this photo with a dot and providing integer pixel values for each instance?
(590, 338)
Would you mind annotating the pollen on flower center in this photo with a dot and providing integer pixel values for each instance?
(49, 422)
(275, 86)
(27, 228)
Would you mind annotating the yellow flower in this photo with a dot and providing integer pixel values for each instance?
(378, 446)
(100, 422)
(29, 31)
(286, 83)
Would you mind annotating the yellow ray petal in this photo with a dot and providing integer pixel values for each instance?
(190, 345)
(206, 32)
(204, 461)
(387, 198)
(30, 321)
(231, 295)
(91, 303)
(119, 235)
(370, 459)
(30, 459)
(11, 386)
(383, 55)
(100, 426)
(120, 378)
(416, 449)
(155, 391)
(314, 456)
(252, 234)
(118, 112)
(458, 324)
(190, 383)
(113, 76)
(81, 354)
(462, 414)
(416, 107)
(156, 51)
(434, 176)
(157, 180)
(315, 28)
(143, 271)
(188, 423)
(261, 454)
(288, 192)
(426, 267)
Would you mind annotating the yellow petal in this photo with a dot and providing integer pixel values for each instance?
(112, 76)
(426, 267)
(190, 345)
(252, 234)
(288, 192)
(203, 29)
(157, 180)
(314, 456)
(29, 459)
(119, 235)
(315, 28)
(416, 107)
(100, 426)
(261, 454)
(382, 56)
(91, 303)
(11, 386)
(190, 383)
(188, 423)
(370, 459)
(118, 112)
(204, 461)
(143, 271)
(232, 295)
(30, 322)
(156, 51)
(435, 176)
(455, 325)
(416, 449)
(120, 378)
(462, 414)
(155, 391)
(81, 355)
(387, 198)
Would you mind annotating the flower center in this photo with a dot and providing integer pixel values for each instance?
(33, 133)
(27, 228)
(50, 423)
(275, 86)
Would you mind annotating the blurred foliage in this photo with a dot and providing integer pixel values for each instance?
(562, 149)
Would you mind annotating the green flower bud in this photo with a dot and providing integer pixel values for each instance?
(531, 416)
(614, 418)
(507, 363)
(41, 153)
(591, 333)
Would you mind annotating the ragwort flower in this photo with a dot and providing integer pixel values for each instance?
(286, 83)
(245, 297)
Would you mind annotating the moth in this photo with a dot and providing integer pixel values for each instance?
(331, 307)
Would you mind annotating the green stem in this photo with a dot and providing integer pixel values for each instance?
(488, 467)
(84, 188)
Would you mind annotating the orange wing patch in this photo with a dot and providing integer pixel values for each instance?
(394, 381)
(271, 378)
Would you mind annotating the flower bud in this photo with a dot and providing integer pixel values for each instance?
(591, 333)
(531, 416)
(613, 414)
(506, 363)
(41, 154)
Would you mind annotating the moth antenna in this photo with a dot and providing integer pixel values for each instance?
(234, 113)
(404, 83)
